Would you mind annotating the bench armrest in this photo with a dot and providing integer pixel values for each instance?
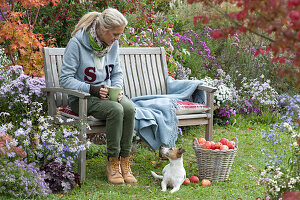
(76, 93)
(207, 88)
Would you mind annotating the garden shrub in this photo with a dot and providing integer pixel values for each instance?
(8, 146)
(23, 46)
(24, 119)
(60, 177)
(21, 180)
(18, 92)
(64, 16)
(282, 157)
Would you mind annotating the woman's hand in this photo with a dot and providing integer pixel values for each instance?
(120, 96)
(104, 93)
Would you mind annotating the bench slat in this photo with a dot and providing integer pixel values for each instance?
(140, 50)
(140, 73)
(145, 71)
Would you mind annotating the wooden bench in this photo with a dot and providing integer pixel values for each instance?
(145, 72)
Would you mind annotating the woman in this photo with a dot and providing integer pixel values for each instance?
(91, 64)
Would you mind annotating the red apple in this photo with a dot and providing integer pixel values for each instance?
(224, 141)
(194, 179)
(224, 147)
(201, 141)
(206, 145)
(205, 182)
(231, 144)
(212, 145)
(186, 181)
(218, 144)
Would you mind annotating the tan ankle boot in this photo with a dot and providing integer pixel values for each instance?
(113, 171)
(126, 171)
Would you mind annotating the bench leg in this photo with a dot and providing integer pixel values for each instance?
(82, 137)
(209, 129)
(82, 165)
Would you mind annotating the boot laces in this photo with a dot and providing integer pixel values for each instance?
(116, 167)
(126, 167)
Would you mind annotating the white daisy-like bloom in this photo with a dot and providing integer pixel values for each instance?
(26, 142)
(58, 160)
(41, 119)
(295, 145)
(72, 149)
(14, 142)
(10, 126)
(60, 120)
(11, 154)
(51, 140)
(88, 143)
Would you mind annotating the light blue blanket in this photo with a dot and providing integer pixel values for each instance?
(155, 119)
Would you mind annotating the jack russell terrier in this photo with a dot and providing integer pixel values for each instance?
(173, 173)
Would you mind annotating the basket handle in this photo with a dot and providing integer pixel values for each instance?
(236, 141)
(195, 143)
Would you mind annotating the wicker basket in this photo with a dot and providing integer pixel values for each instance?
(214, 165)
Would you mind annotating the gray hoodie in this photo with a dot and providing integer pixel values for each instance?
(81, 67)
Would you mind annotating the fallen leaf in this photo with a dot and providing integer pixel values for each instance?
(251, 166)
(251, 142)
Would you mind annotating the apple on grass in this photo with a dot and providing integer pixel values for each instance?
(186, 181)
(205, 182)
(194, 179)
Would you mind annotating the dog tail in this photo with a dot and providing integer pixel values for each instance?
(156, 176)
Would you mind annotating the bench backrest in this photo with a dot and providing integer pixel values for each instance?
(144, 69)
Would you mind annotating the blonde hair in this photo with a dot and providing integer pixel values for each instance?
(108, 19)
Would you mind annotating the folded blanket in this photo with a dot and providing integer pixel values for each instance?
(155, 119)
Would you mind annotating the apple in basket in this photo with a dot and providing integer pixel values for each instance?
(231, 144)
(224, 141)
(206, 145)
(201, 141)
(212, 145)
(224, 147)
(218, 145)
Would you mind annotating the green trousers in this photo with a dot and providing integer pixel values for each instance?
(119, 118)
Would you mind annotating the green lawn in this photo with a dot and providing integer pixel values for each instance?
(242, 181)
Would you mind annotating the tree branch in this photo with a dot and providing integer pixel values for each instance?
(9, 52)
(37, 12)
(238, 24)
(3, 16)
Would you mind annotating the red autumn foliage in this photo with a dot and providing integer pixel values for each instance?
(4, 149)
(22, 46)
(275, 20)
